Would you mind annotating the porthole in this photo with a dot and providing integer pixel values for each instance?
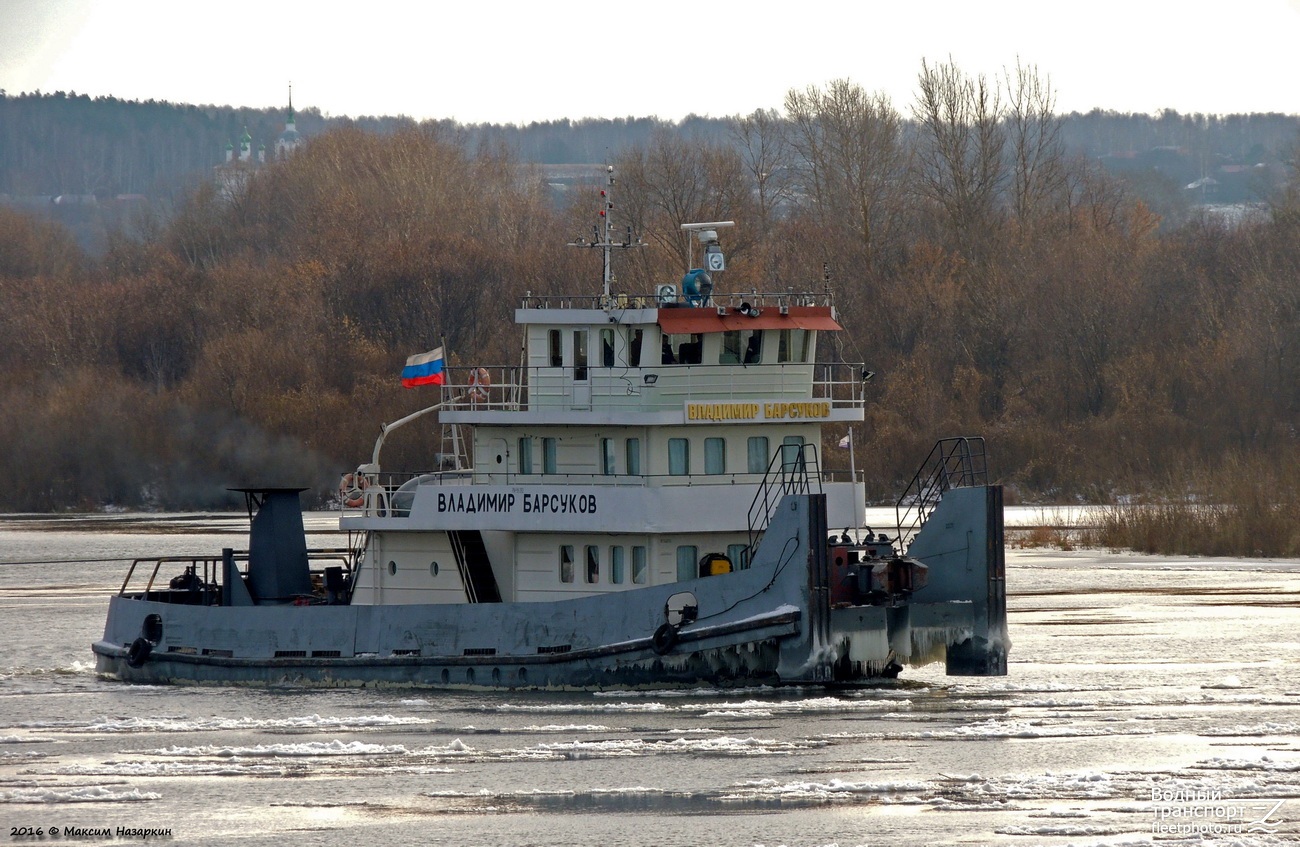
(446, 676)
(469, 675)
(433, 569)
(496, 674)
(523, 674)
(392, 568)
(498, 458)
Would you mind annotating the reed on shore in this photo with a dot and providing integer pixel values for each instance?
(1246, 506)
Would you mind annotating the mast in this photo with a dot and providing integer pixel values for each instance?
(603, 234)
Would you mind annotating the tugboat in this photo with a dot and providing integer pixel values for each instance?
(638, 503)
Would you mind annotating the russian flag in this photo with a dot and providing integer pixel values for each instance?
(423, 369)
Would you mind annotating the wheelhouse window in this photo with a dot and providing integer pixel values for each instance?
(617, 565)
(684, 349)
(593, 564)
(566, 563)
(633, 458)
(554, 346)
(607, 348)
(792, 345)
(525, 455)
(729, 352)
(679, 456)
(758, 455)
(715, 455)
(635, 337)
(607, 456)
(687, 555)
(639, 565)
(549, 449)
(579, 355)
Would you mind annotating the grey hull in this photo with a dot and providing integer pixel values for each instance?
(771, 624)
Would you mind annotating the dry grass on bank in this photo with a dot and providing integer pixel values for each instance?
(1245, 507)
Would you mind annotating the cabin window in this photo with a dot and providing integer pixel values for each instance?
(593, 564)
(758, 454)
(566, 563)
(792, 345)
(687, 555)
(679, 456)
(617, 565)
(579, 355)
(684, 349)
(739, 556)
(557, 354)
(638, 565)
(607, 348)
(792, 453)
(729, 352)
(633, 457)
(526, 455)
(607, 456)
(753, 340)
(636, 336)
(548, 455)
(715, 455)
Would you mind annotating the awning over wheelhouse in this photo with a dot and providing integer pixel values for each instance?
(706, 319)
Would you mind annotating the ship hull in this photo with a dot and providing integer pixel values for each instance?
(772, 624)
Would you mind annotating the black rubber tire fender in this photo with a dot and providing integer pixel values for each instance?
(665, 638)
(138, 653)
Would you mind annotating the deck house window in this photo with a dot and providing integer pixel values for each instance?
(739, 556)
(633, 457)
(617, 565)
(548, 455)
(679, 456)
(593, 564)
(557, 355)
(525, 455)
(566, 563)
(753, 341)
(715, 455)
(638, 565)
(758, 454)
(607, 456)
(792, 459)
(687, 554)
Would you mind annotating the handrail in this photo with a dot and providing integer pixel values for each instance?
(959, 462)
(786, 474)
(210, 585)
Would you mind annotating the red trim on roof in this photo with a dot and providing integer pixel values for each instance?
(706, 319)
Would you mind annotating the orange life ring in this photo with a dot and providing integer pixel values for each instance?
(352, 490)
(479, 383)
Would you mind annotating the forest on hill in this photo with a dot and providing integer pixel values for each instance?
(997, 282)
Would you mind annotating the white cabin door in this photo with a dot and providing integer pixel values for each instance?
(581, 371)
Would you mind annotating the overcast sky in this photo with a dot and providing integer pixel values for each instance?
(515, 62)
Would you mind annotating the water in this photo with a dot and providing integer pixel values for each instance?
(1143, 691)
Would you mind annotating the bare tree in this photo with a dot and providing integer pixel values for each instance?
(1038, 167)
(851, 159)
(960, 163)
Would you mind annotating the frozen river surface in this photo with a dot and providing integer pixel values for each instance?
(1149, 701)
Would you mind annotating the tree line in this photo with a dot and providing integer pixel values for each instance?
(997, 282)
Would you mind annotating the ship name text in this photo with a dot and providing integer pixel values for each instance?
(776, 411)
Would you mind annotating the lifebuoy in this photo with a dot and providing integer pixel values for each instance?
(479, 383)
(139, 651)
(665, 638)
(352, 490)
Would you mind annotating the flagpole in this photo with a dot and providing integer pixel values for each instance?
(859, 516)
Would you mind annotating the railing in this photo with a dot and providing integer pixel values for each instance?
(953, 463)
(205, 590)
(791, 471)
(648, 387)
(760, 299)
